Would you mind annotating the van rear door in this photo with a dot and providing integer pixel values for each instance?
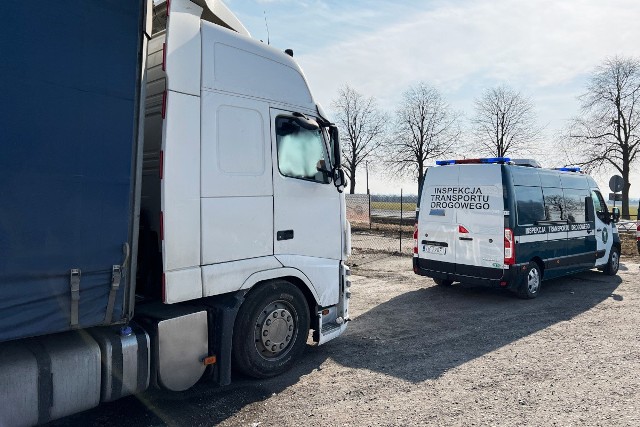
(437, 226)
(479, 239)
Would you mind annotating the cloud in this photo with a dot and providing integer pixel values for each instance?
(531, 45)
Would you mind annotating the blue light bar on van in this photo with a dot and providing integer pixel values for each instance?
(568, 169)
(473, 161)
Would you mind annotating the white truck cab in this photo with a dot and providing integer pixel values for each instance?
(511, 224)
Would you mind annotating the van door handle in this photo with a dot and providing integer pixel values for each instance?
(284, 234)
(465, 238)
(598, 229)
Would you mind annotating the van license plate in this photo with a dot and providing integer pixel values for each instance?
(436, 250)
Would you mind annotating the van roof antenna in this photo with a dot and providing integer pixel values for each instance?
(266, 25)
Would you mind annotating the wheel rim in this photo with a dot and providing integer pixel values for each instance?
(533, 280)
(275, 330)
(615, 261)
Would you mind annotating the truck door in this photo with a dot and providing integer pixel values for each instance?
(306, 206)
(479, 238)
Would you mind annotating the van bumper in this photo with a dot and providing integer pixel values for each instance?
(481, 276)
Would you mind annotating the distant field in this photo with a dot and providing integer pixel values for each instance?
(393, 206)
(633, 210)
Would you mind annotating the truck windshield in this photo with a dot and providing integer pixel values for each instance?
(301, 152)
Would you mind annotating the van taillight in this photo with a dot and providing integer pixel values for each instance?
(415, 239)
(509, 247)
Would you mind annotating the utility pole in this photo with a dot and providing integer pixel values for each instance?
(366, 166)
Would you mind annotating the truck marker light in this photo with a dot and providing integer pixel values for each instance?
(161, 226)
(164, 57)
(168, 6)
(209, 360)
(161, 166)
(415, 238)
(462, 229)
(164, 104)
(503, 284)
(509, 247)
(638, 232)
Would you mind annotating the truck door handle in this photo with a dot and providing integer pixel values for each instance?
(599, 229)
(465, 238)
(284, 234)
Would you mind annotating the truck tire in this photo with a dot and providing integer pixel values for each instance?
(443, 282)
(530, 287)
(611, 269)
(271, 330)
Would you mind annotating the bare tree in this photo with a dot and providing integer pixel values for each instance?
(426, 128)
(362, 128)
(606, 133)
(504, 122)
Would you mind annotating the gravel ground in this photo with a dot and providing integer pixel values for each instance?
(417, 354)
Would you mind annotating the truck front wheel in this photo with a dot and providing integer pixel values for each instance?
(271, 330)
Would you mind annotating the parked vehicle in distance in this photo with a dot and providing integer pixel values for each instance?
(511, 224)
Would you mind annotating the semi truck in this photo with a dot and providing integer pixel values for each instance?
(172, 205)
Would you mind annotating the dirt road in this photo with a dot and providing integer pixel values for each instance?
(418, 354)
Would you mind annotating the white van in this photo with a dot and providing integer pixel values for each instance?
(511, 224)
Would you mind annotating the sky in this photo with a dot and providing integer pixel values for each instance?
(544, 49)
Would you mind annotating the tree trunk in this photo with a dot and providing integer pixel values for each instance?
(352, 183)
(625, 188)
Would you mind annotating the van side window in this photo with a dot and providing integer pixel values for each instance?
(574, 201)
(600, 206)
(529, 205)
(554, 207)
(300, 151)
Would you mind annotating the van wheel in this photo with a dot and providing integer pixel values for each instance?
(443, 282)
(530, 288)
(271, 330)
(611, 269)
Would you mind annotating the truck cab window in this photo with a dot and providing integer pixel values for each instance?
(300, 151)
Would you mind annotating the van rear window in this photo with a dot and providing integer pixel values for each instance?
(529, 205)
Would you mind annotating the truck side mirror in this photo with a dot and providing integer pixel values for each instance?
(339, 180)
(615, 215)
(335, 139)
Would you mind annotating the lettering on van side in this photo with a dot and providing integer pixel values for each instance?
(581, 226)
(459, 198)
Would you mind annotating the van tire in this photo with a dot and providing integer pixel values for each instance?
(611, 269)
(275, 308)
(443, 282)
(530, 286)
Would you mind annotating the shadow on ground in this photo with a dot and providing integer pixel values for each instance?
(415, 336)
(203, 405)
(420, 335)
